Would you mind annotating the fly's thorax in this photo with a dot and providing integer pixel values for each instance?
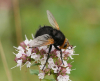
(44, 30)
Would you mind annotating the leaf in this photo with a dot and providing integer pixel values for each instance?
(34, 72)
(35, 64)
(49, 79)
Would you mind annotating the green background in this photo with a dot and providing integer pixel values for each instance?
(79, 20)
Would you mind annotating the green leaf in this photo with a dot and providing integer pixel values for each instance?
(35, 64)
(49, 79)
(34, 72)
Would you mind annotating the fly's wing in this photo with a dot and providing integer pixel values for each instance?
(41, 41)
(52, 20)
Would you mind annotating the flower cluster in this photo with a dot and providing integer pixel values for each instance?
(27, 56)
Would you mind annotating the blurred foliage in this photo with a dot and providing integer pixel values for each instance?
(79, 20)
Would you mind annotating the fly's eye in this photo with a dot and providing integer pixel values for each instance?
(65, 45)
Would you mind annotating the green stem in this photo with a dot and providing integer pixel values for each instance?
(55, 76)
(3, 58)
(17, 20)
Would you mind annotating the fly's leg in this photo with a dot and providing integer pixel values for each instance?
(60, 53)
(47, 57)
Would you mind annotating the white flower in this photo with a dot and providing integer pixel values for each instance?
(65, 64)
(62, 50)
(18, 55)
(63, 78)
(50, 61)
(20, 52)
(20, 48)
(25, 55)
(45, 56)
(68, 70)
(43, 60)
(37, 58)
(66, 78)
(70, 53)
(19, 63)
(55, 68)
(69, 48)
(28, 64)
(27, 41)
(59, 69)
(53, 48)
(41, 67)
(58, 54)
(43, 47)
(41, 75)
(60, 78)
(33, 55)
(28, 53)
(50, 65)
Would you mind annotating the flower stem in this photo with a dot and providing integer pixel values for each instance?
(55, 76)
(17, 20)
(39, 71)
(5, 63)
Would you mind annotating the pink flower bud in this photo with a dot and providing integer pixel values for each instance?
(47, 71)
(16, 59)
(42, 52)
(69, 65)
(58, 62)
(24, 58)
(35, 50)
(23, 45)
(63, 71)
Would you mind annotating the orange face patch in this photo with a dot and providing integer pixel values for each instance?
(62, 46)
